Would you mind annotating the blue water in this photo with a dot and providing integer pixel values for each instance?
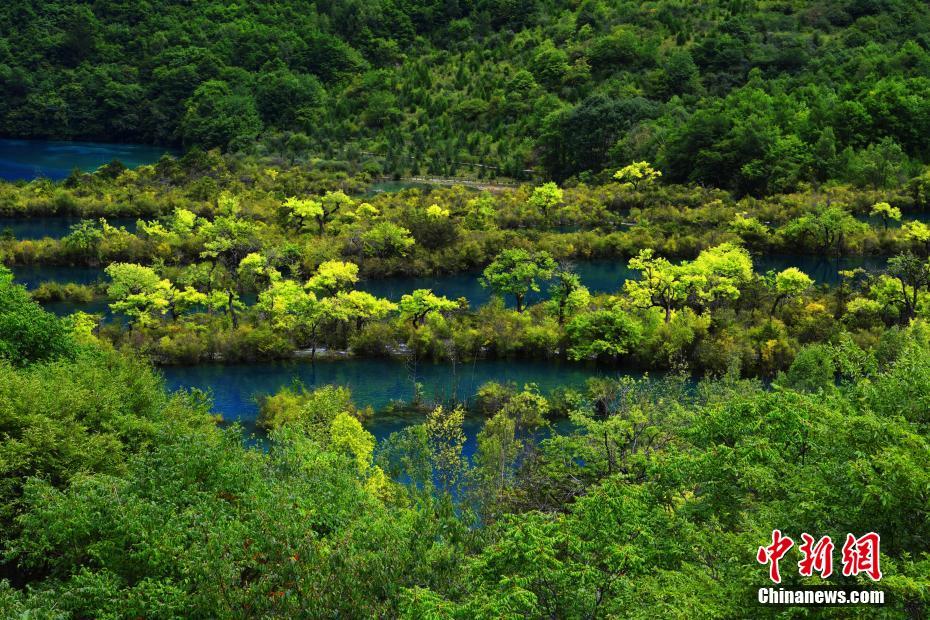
(823, 270)
(31, 276)
(31, 159)
(53, 227)
(376, 382)
(96, 306)
(598, 276)
(876, 222)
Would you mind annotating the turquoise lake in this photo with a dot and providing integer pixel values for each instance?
(53, 227)
(236, 388)
(31, 159)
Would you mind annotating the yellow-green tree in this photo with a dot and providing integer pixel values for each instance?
(332, 277)
(789, 283)
(886, 212)
(446, 440)
(517, 272)
(423, 303)
(638, 175)
(545, 198)
(659, 284)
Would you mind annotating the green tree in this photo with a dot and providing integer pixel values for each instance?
(717, 274)
(423, 303)
(298, 312)
(658, 285)
(918, 232)
(256, 271)
(333, 277)
(789, 283)
(138, 292)
(362, 307)
(228, 241)
(567, 293)
(886, 212)
(387, 240)
(27, 332)
(638, 175)
(913, 276)
(183, 300)
(302, 210)
(446, 440)
(545, 198)
(331, 204)
(826, 229)
(217, 116)
(880, 165)
(607, 333)
(517, 272)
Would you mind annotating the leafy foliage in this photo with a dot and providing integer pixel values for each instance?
(753, 97)
(28, 333)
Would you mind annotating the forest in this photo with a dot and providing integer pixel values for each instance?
(462, 309)
(753, 97)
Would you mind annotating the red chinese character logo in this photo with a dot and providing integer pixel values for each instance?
(773, 553)
(817, 557)
(860, 555)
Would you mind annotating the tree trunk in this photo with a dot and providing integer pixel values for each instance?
(778, 300)
(232, 309)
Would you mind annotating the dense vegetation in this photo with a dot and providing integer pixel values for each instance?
(121, 501)
(235, 260)
(756, 97)
(690, 146)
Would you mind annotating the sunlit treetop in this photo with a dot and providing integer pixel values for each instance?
(638, 175)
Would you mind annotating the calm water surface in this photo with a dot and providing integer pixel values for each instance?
(598, 276)
(50, 159)
(53, 227)
(236, 387)
(823, 270)
(876, 222)
(31, 276)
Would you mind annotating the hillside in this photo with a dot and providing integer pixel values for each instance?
(755, 97)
